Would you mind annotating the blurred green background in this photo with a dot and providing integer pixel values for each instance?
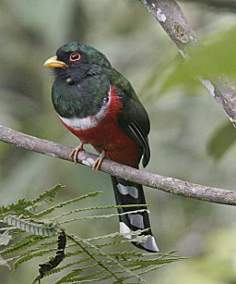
(183, 122)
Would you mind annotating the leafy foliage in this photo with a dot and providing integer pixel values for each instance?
(36, 233)
(213, 58)
(222, 139)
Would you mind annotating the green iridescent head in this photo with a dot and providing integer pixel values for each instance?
(75, 54)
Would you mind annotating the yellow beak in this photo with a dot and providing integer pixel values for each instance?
(53, 62)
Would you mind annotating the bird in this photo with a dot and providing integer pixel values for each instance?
(99, 106)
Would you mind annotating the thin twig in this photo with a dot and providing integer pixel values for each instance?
(167, 184)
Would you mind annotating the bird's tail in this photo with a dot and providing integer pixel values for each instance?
(131, 219)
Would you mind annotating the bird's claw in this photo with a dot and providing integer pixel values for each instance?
(75, 152)
(98, 162)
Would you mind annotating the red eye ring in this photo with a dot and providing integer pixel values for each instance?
(75, 56)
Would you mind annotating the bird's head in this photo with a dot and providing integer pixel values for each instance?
(76, 59)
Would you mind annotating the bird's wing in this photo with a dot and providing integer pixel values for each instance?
(133, 118)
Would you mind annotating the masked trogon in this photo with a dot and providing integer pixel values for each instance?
(98, 105)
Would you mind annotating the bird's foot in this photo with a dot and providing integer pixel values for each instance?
(97, 164)
(75, 152)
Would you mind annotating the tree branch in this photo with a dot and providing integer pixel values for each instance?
(170, 16)
(167, 184)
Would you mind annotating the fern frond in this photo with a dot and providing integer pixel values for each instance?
(79, 210)
(101, 216)
(49, 194)
(26, 242)
(65, 203)
(155, 261)
(68, 265)
(98, 259)
(77, 240)
(43, 229)
(18, 208)
(68, 278)
(83, 244)
(33, 254)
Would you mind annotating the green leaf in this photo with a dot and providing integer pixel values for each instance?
(223, 138)
(211, 59)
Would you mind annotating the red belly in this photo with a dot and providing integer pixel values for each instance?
(108, 136)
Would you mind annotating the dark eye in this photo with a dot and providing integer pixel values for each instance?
(75, 56)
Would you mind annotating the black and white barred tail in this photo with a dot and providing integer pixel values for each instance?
(127, 193)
